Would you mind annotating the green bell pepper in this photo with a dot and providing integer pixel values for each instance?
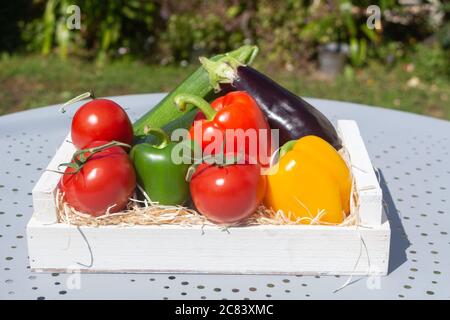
(162, 179)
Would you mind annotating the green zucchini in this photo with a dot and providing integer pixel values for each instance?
(197, 83)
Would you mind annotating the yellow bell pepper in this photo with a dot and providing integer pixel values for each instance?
(310, 182)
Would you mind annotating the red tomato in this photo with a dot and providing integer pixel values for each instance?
(101, 120)
(227, 194)
(105, 181)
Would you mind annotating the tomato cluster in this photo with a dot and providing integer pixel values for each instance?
(99, 180)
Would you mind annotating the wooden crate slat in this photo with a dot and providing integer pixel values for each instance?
(369, 192)
(44, 191)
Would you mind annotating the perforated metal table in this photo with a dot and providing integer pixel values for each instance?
(411, 152)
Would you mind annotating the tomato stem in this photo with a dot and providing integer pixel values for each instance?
(190, 172)
(76, 99)
(215, 159)
(182, 99)
(79, 159)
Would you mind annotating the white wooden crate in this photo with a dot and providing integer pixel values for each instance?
(264, 249)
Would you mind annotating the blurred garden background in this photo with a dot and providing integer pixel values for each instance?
(316, 48)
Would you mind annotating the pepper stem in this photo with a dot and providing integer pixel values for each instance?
(160, 134)
(287, 147)
(182, 99)
(280, 152)
(76, 99)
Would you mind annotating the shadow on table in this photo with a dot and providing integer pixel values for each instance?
(399, 239)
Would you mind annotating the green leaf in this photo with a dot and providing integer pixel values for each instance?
(49, 21)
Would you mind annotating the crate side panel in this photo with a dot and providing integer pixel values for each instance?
(44, 191)
(367, 185)
(243, 250)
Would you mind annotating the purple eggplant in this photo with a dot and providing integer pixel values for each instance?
(285, 111)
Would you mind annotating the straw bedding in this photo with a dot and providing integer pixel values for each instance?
(146, 212)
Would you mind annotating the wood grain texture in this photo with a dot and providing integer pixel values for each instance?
(43, 193)
(252, 250)
(367, 186)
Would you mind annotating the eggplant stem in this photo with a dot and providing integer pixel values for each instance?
(224, 71)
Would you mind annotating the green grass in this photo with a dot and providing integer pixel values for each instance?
(32, 81)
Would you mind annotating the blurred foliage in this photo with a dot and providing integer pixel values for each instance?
(47, 80)
(431, 64)
(288, 32)
(11, 19)
(444, 32)
(188, 36)
(108, 28)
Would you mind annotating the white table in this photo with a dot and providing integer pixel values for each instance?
(411, 152)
